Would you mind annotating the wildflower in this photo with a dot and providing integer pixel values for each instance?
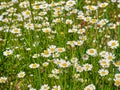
(68, 21)
(64, 64)
(70, 3)
(56, 88)
(59, 50)
(87, 67)
(92, 52)
(46, 53)
(45, 87)
(55, 71)
(3, 79)
(90, 87)
(113, 44)
(103, 72)
(117, 82)
(15, 30)
(45, 64)
(85, 57)
(110, 57)
(46, 30)
(35, 65)
(104, 63)
(26, 14)
(21, 74)
(103, 5)
(8, 52)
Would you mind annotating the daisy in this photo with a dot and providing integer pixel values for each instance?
(64, 64)
(110, 57)
(56, 88)
(79, 69)
(3, 79)
(46, 30)
(35, 65)
(52, 48)
(104, 63)
(81, 31)
(87, 67)
(46, 53)
(117, 82)
(8, 52)
(45, 87)
(15, 30)
(113, 44)
(55, 71)
(103, 5)
(45, 64)
(68, 21)
(85, 57)
(90, 87)
(103, 72)
(59, 50)
(79, 43)
(70, 3)
(92, 52)
(21, 74)
(26, 14)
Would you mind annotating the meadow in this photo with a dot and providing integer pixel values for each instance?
(59, 44)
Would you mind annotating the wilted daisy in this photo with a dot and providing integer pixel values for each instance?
(8, 52)
(34, 65)
(3, 79)
(21, 74)
(113, 44)
(85, 57)
(92, 52)
(103, 72)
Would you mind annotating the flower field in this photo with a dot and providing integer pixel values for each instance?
(59, 44)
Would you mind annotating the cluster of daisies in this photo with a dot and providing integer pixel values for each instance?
(89, 43)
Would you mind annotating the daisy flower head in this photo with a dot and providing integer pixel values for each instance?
(45, 87)
(21, 74)
(70, 3)
(8, 52)
(34, 65)
(56, 88)
(64, 64)
(113, 44)
(87, 67)
(90, 87)
(46, 53)
(3, 79)
(103, 72)
(91, 52)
